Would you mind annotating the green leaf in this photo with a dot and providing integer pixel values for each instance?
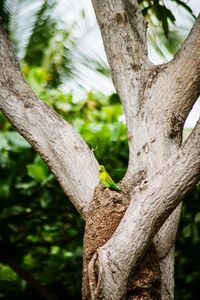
(114, 99)
(195, 234)
(45, 199)
(36, 172)
(145, 10)
(197, 218)
(25, 185)
(16, 140)
(187, 231)
(7, 274)
(13, 210)
(3, 141)
(184, 5)
(4, 188)
(163, 14)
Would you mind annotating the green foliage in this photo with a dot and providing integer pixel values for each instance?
(38, 170)
(163, 15)
(188, 244)
(48, 34)
(40, 228)
(163, 34)
(10, 281)
(97, 118)
(42, 38)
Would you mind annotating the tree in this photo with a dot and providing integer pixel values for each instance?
(129, 237)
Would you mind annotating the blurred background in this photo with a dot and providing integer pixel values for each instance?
(59, 47)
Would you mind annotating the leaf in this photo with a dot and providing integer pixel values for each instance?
(25, 185)
(184, 5)
(36, 172)
(3, 141)
(195, 234)
(16, 140)
(45, 199)
(145, 10)
(4, 189)
(114, 99)
(187, 231)
(197, 218)
(163, 14)
(7, 274)
(13, 210)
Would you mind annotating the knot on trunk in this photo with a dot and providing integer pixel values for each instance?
(176, 125)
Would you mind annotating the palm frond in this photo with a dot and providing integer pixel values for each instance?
(59, 35)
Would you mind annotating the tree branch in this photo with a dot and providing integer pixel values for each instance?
(150, 206)
(179, 80)
(165, 247)
(64, 151)
(123, 30)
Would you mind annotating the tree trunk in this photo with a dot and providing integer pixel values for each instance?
(155, 108)
(144, 281)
